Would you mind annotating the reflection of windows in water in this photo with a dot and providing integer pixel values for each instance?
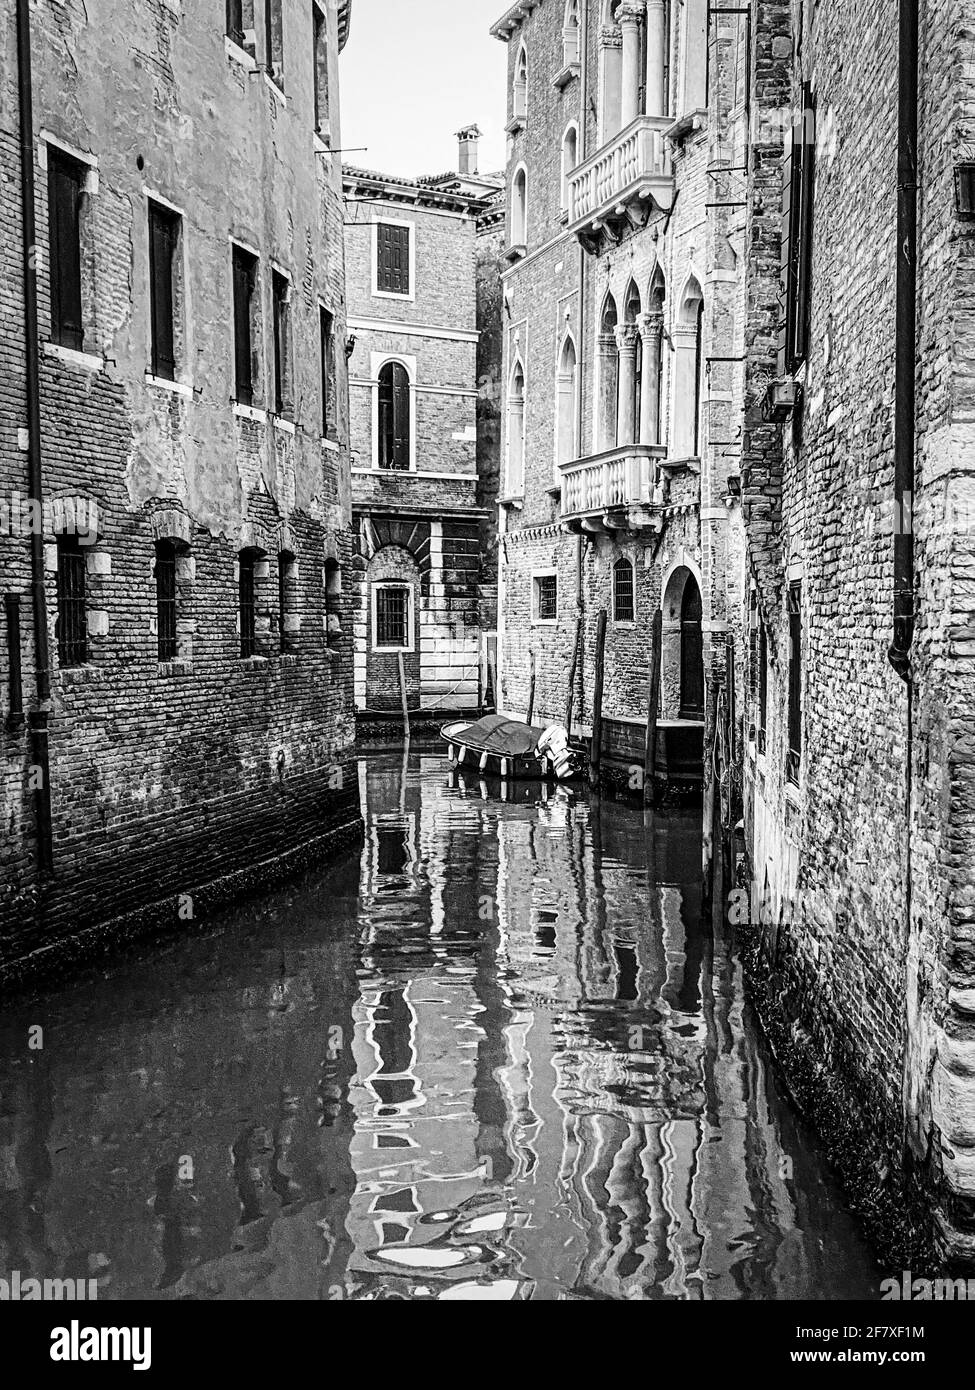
(403, 1199)
(393, 1092)
(545, 929)
(394, 854)
(627, 977)
(391, 1234)
(392, 1025)
(392, 1141)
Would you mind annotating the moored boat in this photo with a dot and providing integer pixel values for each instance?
(509, 748)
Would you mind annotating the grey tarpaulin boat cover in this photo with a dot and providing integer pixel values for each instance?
(507, 738)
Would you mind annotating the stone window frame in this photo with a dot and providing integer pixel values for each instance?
(283, 354)
(258, 363)
(573, 129)
(377, 361)
(567, 388)
(631, 621)
(515, 421)
(384, 220)
(333, 584)
(518, 207)
(78, 516)
(401, 584)
(519, 85)
(243, 48)
(170, 524)
(89, 188)
(320, 49)
(181, 381)
(536, 575)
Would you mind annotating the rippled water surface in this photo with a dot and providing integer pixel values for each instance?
(496, 1055)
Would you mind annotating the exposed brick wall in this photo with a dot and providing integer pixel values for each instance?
(165, 778)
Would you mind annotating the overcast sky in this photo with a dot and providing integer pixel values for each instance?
(413, 73)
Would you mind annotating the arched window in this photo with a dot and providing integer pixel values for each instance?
(608, 363)
(570, 158)
(610, 74)
(631, 368)
(394, 417)
(519, 208)
(516, 432)
(624, 594)
(691, 653)
(566, 449)
(688, 372)
(570, 34)
(520, 94)
(653, 363)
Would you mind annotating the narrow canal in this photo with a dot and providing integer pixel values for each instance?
(495, 1055)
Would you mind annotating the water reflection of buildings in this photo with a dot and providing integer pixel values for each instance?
(553, 1084)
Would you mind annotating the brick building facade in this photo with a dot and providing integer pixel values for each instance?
(623, 323)
(422, 260)
(196, 506)
(858, 767)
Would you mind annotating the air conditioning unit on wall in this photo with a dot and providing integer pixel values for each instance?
(782, 400)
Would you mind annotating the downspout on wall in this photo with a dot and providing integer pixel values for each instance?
(40, 710)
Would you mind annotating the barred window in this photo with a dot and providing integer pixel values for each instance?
(72, 620)
(165, 572)
(246, 603)
(392, 617)
(624, 609)
(286, 597)
(546, 598)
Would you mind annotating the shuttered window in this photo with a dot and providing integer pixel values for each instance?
(163, 240)
(547, 598)
(245, 276)
(393, 258)
(72, 621)
(327, 331)
(165, 574)
(64, 182)
(798, 182)
(394, 417)
(281, 295)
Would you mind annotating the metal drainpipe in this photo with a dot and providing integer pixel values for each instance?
(38, 717)
(583, 283)
(906, 342)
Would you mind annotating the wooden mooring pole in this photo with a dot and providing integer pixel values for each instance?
(596, 748)
(573, 668)
(531, 689)
(403, 696)
(650, 759)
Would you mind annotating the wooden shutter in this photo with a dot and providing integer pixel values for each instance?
(401, 417)
(64, 211)
(798, 176)
(162, 249)
(393, 253)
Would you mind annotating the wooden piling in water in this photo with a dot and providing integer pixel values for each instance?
(596, 748)
(573, 668)
(403, 696)
(650, 758)
(531, 688)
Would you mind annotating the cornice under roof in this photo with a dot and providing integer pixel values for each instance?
(513, 19)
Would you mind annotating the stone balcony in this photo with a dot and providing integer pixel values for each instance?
(621, 184)
(614, 491)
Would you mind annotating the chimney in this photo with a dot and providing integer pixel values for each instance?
(468, 138)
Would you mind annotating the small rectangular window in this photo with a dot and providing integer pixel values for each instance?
(281, 295)
(762, 686)
(327, 329)
(165, 572)
(245, 279)
(392, 258)
(392, 617)
(798, 183)
(247, 605)
(235, 21)
(65, 181)
(286, 598)
(274, 38)
(624, 608)
(164, 227)
(320, 66)
(72, 620)
(794, 757)
(546, 598)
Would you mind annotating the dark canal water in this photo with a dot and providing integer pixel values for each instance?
(494, 1056)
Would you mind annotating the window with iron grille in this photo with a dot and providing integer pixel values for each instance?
(245, 279)
(624, 609)
(394, 417)
(392, 258)
(392, 617)
(794, 758)
(164, 229)
(546, 598)
(247, 608)
(327, 330)
(72, 622)
(65, 181)
(165, 572)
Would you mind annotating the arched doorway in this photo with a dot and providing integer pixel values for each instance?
(691, 653)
